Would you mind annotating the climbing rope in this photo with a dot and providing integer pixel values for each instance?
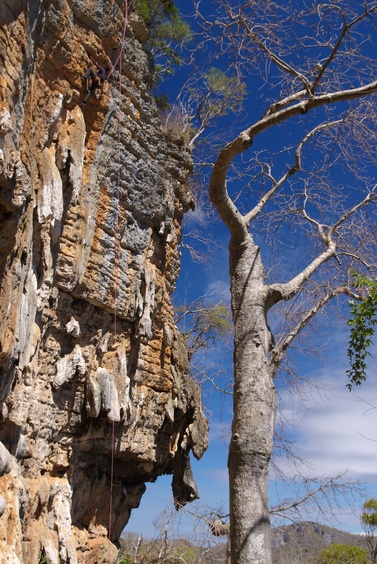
(117, 247)
(119, 58)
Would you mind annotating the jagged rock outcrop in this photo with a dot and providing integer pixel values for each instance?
(90, 359)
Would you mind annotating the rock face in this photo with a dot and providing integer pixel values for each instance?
(95, 395)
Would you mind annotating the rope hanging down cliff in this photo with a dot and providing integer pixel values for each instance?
(117, 244)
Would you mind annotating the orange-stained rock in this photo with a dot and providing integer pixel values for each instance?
(91, 203)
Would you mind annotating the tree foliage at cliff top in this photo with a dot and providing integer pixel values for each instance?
(167, 32)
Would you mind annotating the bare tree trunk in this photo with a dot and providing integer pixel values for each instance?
(254, 409)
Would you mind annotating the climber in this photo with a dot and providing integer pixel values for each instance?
(93, 80)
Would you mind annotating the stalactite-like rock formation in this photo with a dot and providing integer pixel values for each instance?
(88, 260)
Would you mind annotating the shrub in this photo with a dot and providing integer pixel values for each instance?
(344, 554)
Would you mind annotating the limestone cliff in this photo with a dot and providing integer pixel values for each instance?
(91, 203)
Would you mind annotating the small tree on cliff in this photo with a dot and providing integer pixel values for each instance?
(296, 190)
(167, 32)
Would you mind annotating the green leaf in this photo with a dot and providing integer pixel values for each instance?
(362, 322)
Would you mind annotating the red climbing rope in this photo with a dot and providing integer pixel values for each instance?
(117, 247)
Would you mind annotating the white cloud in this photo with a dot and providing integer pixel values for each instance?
(219, 289)
(333, 433)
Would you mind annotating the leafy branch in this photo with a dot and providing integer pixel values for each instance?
(362, 322)
(167, 32)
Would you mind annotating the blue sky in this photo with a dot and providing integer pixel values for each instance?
(334, 430)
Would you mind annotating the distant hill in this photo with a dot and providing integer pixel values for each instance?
(302, 543)
(299, 543)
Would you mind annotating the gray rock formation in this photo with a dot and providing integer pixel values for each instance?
(91, 203)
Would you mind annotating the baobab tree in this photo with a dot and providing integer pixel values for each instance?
(296, 189)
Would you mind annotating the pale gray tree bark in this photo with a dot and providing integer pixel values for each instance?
(334, 228)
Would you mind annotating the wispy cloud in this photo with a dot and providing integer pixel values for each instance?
(219, 289)
(335, 434)
(338, 432)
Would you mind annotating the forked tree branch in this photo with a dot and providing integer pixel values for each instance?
(289, 289)
(280, 349)
(335, 49)
(252, 214)
(332, 485)
(219, 196)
